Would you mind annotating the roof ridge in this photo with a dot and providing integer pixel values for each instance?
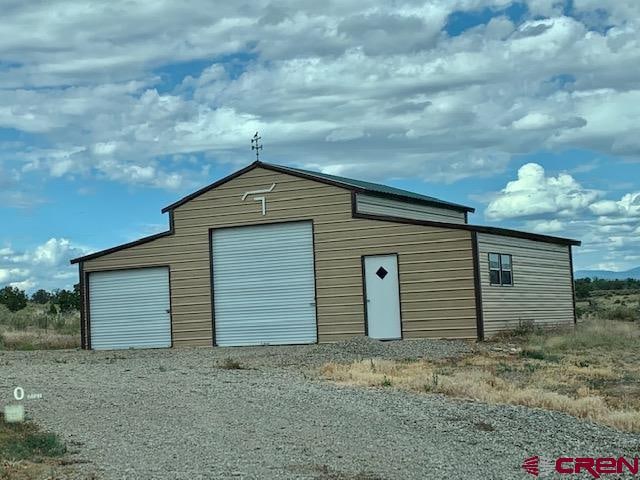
(379, 187)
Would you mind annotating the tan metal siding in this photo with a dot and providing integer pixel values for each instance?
(541, 291)
(437, 262)
(415, 211)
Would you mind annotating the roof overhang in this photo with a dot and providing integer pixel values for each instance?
(506, 232)
(355, 214)
(140, 241)
(315, 178)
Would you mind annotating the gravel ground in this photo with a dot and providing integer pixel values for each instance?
(174, 414)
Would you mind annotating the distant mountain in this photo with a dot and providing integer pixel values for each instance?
(608, 275)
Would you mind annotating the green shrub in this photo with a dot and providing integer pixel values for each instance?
(231, 364)
(42, 321)
(13, 298)
(66, 300)
(592, 334)
(525, 328)
(23, 441)
(386, 382)
(581, 311)
(41, 297)
(533, 352)
(623, 313)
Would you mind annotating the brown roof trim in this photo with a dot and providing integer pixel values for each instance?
(355, 188)
(197, 193)
(355, 214)
(140, 241)
(319, 179)
(472, 228)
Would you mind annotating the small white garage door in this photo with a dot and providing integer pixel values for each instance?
(130, 309)
(264, 285)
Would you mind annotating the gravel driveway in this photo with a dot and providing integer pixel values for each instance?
(175, 414)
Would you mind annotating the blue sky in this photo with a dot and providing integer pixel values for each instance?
(527, 111)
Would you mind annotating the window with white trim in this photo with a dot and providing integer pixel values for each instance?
(500, 269)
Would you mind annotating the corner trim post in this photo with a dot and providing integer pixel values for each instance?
(83, 304)
(573, 286)
(477, 286)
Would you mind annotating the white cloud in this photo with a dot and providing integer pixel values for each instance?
(343, 134)
(539, 121)
(44, 266)
(8, 273)
(380, 88)
(51, 253)
(609, 229)
(546, 226)
(627, 207)
(27, 284)
(534, 194)
(376, 91)
(104, 148)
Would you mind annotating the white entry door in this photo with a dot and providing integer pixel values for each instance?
(264, 285)
(382, 297)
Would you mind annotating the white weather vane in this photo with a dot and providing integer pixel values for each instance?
(257, 146)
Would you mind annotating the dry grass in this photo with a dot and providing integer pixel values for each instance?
(592, 373)
(36, 339)
(34, 328)
(231, 364)
(611, 304)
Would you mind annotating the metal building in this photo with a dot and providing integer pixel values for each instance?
(278, 255)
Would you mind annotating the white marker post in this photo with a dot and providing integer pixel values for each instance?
(14, 413)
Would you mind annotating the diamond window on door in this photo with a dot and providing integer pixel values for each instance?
(381, 272)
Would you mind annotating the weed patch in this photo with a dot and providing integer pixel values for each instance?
(24, 441)
(231, 364)
(592, 372)
(36, 340)
(484, 426)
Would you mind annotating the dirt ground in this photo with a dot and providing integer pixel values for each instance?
(262, 413)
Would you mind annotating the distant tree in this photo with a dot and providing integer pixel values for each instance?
(13, 298)
(583, 287)
(67, 300)
(41, 297)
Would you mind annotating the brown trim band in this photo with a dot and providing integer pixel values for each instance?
(477, 286)
(573, 286)
(472, 228)
(197, 193)
(83, 302)
(354, 213)
(87, 299)
(86, 302)
(276, 222)
(213, 298)
(316, 178)
(124, 246)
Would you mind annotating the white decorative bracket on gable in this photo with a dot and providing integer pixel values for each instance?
(261, 199)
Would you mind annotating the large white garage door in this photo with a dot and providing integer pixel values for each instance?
(130, 309)
(263, 285)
